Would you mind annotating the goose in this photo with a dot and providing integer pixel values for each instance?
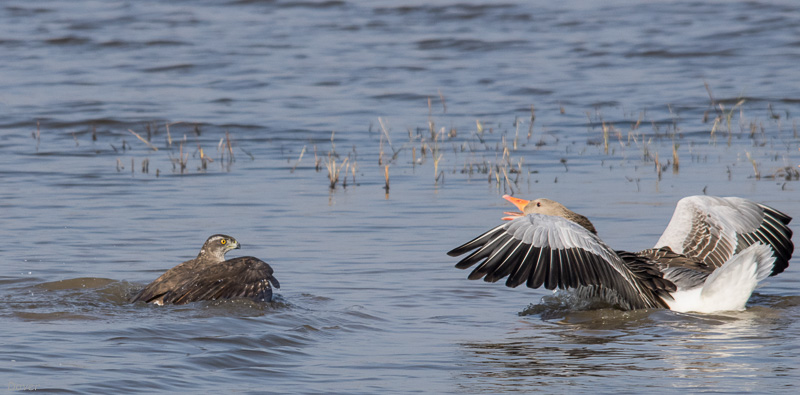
(210, 276)
(713, 253)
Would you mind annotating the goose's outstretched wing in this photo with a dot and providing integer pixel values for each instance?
(552, 251)
(243, 277)
(713, 229)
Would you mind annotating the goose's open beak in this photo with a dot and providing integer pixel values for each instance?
(520, 203)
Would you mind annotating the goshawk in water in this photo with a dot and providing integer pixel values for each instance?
(211, 277)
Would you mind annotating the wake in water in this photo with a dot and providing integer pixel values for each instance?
(562, 303)
(92, 298)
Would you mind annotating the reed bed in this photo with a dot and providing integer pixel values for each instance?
(508, 157)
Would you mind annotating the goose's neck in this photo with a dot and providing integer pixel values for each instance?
(578, 219)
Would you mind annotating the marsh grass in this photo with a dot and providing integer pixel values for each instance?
(505, 155)
(204, 159)
(675, 159)
(337, 170)
(386, 179)
(300, 159)
(37, 135)
(756, 174)
(333, 171)
(142, 139)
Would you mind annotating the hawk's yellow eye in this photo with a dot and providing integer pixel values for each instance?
(223, 241)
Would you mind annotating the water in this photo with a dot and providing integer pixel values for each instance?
(370, 303)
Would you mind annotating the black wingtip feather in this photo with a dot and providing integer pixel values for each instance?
(476, 242)
(779, 236)
(539, 273)
(785, 219)
(473, 258)
(488, 266)
(523, 269)
(509, 264)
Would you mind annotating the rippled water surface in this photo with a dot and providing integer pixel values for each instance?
(131, 131)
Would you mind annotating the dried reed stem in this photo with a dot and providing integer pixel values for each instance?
(676, 163)
(755, 166)
(303, 151)
(333, 170)
(37, 135)
(658, 166)
(533, 118)
(386, 133)
(436, 167)
(169, 136)
(143, 140)
(230, 147)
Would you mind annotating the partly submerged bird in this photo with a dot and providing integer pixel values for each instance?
(710, 258)
(211, 277)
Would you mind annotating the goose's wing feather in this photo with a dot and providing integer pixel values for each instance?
(648, 270)
(542, 250)
(713, 229)
(243, 277)
(683, 271)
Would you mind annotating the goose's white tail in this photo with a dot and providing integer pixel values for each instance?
(730, 286)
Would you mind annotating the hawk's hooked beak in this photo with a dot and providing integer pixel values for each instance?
(233, 245)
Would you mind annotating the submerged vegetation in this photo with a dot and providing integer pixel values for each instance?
(511, 157)
(508, 157)
(185, 155)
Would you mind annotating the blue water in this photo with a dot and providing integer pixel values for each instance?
(442, 94)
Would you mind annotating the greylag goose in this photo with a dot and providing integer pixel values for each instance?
(211, 277)
(710, 258)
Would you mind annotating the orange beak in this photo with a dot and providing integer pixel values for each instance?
(520, 203)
